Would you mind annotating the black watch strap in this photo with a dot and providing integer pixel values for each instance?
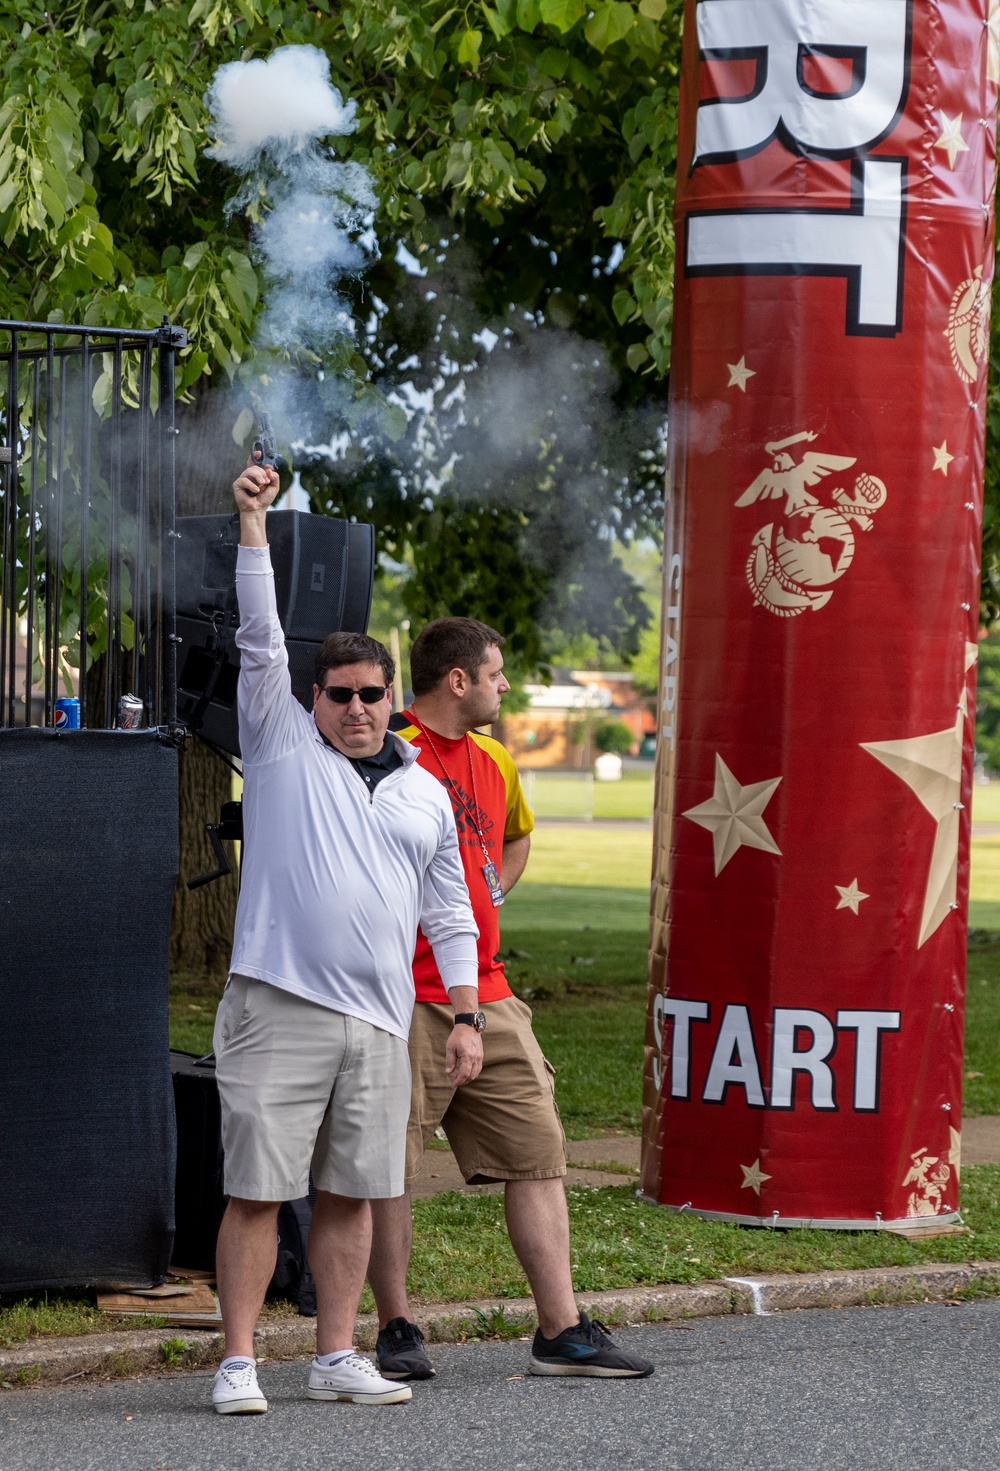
(470, 1019)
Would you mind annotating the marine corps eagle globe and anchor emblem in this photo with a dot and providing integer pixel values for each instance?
(794, 562)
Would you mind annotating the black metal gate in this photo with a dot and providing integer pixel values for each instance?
(87, 536)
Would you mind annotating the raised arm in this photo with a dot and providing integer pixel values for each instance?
(270, 716)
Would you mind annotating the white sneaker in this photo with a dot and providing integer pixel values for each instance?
(235, 1390)
(355, 1378)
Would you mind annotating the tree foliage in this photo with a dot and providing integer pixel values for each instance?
(510, 145)
(527, 147)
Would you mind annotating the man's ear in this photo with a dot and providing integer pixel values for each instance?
(458, 682)
(316, 694)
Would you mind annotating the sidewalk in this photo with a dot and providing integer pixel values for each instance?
(585, 1158)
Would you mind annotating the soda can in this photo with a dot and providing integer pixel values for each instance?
(130, 709)
(68, 714)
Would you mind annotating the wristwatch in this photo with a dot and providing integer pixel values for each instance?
(475, 1019)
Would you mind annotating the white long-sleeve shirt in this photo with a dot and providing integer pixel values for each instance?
(335, 879)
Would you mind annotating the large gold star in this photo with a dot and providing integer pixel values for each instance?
(942, 459)
(955, 1152)
(951, 139)
(851, 897)
(739, 373)
(931, 766)
(733, 815)
(753, 1176)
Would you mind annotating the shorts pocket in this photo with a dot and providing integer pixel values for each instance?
(234, 1009)
(550, 1073)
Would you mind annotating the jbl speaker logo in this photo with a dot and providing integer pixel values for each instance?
(318, 574)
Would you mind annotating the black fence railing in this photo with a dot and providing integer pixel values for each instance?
(87, 535)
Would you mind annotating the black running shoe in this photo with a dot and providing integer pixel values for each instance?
(586, 1349)
(400, 1352)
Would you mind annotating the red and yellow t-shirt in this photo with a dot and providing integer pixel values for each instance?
(486, 797)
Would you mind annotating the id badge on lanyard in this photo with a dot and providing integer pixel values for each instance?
(492, 878)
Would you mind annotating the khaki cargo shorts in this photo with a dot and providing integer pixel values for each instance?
(302, 1086)
(505, 1124)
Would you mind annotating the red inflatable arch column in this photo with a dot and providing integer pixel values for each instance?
(835, 248)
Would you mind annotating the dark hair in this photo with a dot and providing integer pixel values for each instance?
(338, 649)
(446, 644)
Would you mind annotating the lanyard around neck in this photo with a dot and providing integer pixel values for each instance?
(473, 817)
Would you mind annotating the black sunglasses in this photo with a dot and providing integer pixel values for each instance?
(340, 694)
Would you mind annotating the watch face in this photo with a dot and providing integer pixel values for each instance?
(480, 1022)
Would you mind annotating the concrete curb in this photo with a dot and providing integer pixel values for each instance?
(148, 1350)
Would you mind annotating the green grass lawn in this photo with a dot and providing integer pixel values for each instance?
(574, 794)
(461, 1248)
(986, 802)
(601, 857)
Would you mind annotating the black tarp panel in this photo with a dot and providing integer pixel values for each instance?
(88, 859)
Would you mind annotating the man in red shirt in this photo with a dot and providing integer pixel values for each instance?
(504, 1125)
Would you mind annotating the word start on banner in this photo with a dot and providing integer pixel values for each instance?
(735, 1061)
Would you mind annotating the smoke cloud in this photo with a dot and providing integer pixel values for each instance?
(269, 119)
(282, 104)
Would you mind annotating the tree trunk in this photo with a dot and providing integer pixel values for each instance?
(201, 935)
(208, 460)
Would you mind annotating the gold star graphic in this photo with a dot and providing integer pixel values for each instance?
(971, 656)
(851, 897)
(931, 766)
(738, 374)
(753, 1176)
(951, 139)
(942, 459)
(955, 1152)
(993, 43)
(733, 815)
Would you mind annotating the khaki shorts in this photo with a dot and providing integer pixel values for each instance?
(505, 1124)
(302, 1086)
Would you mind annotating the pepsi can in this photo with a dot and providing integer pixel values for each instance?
(68, 714)
(130, 709)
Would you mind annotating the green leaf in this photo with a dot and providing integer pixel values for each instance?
(623, 305)
(528, 14)
(636, 356)
(468, 49)
(101, 266)
(242, 427)
(393, 422)
(563, 14)
(497, 24)
(611, 21)
(653, 8)
(553, 62)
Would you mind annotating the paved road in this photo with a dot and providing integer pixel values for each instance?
(880, 1387)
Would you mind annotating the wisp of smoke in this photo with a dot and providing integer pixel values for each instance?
(269, 117)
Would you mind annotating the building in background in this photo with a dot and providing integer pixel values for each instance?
(562, 724)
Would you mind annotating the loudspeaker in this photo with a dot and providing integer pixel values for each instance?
(198, 1198)
(219, 721)
(88, 832)
(323, 573)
